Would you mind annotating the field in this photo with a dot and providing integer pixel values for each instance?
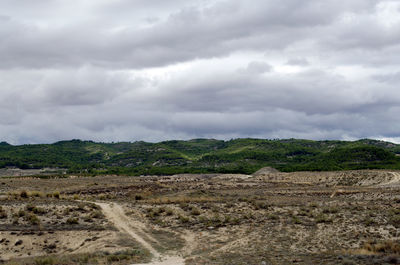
(344, 217)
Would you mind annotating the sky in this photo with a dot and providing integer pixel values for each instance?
(154, 70)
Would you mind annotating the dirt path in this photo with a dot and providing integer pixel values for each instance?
(115, 214)
(395, 181)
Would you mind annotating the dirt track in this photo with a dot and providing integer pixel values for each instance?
(115, 214)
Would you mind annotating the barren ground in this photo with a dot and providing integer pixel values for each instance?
(350, 217)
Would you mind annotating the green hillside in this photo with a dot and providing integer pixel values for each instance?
(202, 156)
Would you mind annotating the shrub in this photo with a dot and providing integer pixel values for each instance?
(39, 211)
(184, 205)
(3, 213)
(235, 221)
(395, 221)
(29, 207)
(33, 219)
(160, 210)
(72, 221)
(94, 206)
(260, 205)
(169, 212)
(21, 213)
(273, 217)
(96, 214)
(151, 213)
(35, 210)
(195, 211)
(322, 218)
(296, 220)
(203, 219)
(369, 221)
(330, 210)
(23, 194)
(81, 207)
(216, 220)
(15, 220)
(227, 219)
(183, 219)
(37, 194)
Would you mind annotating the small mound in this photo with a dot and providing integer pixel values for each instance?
(265, 171)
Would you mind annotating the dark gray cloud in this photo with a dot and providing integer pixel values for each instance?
(155, 70)
(187, 33)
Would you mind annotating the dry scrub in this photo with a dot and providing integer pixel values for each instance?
(272, 218)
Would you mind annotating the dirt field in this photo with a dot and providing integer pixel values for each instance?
(348, 217)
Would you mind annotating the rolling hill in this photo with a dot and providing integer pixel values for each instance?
(202, 156)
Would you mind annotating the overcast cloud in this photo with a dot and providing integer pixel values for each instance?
(127, 70)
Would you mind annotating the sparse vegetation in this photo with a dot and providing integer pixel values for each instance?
(300, 218)
(97, 258)
(380, 247)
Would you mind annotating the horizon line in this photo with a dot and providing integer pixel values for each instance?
(194, 139)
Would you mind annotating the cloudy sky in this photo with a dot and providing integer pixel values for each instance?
(127, 70)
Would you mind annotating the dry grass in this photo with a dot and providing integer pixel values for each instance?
(97, 258)
(377, 248)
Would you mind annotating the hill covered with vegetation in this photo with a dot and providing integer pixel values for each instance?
(202, 156)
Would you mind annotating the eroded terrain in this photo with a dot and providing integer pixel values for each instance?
(348, 217)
